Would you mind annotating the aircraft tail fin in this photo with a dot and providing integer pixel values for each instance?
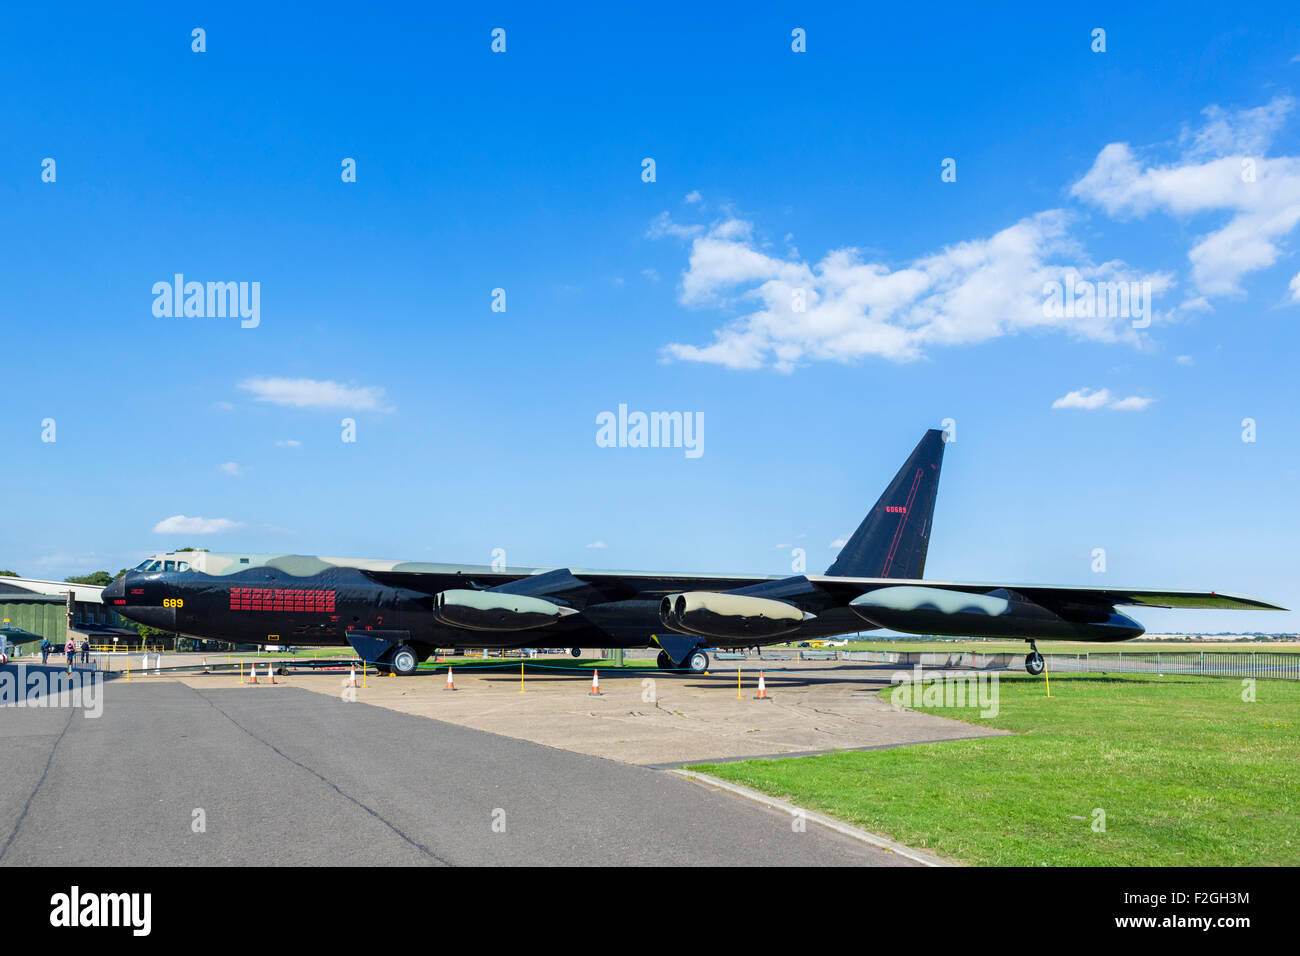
(893, 538)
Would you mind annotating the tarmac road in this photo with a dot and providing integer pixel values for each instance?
(281, 775)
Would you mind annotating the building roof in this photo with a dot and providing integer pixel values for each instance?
(25, 588)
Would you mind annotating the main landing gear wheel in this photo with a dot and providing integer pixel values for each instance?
(664, 662)
(576, 651)
(1034, 663)
(698, 662)
(405, 661)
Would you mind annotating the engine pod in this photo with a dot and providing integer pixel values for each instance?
(730, 616)
(495, 611)
(998, 613)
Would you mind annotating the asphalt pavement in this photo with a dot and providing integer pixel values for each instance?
(170, 775)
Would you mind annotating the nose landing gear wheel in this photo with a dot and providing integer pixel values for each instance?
(1034, 663)
(405, 661)
(698, 662)
(576, 651)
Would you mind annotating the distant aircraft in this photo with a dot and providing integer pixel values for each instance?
(396, 613)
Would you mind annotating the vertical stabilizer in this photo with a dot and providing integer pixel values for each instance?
(893, 538)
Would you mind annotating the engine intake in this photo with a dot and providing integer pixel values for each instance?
(729, 616)
(495, 611)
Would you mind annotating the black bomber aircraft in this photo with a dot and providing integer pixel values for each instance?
(395, 614)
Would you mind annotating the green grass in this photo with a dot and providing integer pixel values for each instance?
(1187, 773)
(1071, 647)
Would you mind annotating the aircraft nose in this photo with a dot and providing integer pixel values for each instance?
(116, 591)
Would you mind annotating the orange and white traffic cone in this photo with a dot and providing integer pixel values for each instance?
(595, 685)
(762, 689)
(270, 674)
(451, 684)
(205, 665)
(252, 673)
(352, 676)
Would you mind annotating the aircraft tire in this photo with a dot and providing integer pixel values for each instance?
(1034, 664)
(664, 662)
(697, 662)
(576, 651)
(405, 660)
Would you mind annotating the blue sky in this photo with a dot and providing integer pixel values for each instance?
(774, 171)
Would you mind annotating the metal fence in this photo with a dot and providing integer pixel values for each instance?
(1281, 666)
(1199, 663)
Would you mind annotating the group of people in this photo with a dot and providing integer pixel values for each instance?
(70, 651)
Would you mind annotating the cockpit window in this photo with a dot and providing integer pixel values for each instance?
(143, 565)
(169, 565)
(182, 565)
(154, 566)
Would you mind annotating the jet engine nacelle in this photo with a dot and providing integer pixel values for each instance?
(999, 613)
(495, 611)
(729, 616)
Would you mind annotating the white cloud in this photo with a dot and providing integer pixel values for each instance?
(967, 293)
(597, 545)
(693, 196)
(1294, 288)
(1185, 360)
(840, 542)
(1086, 398)
(663, 225)
(289, 443)
(232, 468)
(1221, 169)
(180, 524)
(1134, 403)
(310, 393)
(1083, 398)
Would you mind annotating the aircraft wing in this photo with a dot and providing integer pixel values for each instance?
(1068, 593)
(810, 590)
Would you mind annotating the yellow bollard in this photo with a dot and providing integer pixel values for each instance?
(128, 666)
(364, 671)
(739, 695)
(1047, 676)
(521, 678)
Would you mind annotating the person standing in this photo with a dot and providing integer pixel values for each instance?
(85, 650)
(70, 652)
(46, 647)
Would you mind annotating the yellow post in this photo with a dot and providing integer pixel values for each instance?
(364, 670)
(521, 679)
(1047, 676)
(739, 695)
(128, 665)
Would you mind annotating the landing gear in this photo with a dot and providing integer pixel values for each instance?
(664, 662)
(576, 651)
(1034, 663)
(697, 662)
(404, 660)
